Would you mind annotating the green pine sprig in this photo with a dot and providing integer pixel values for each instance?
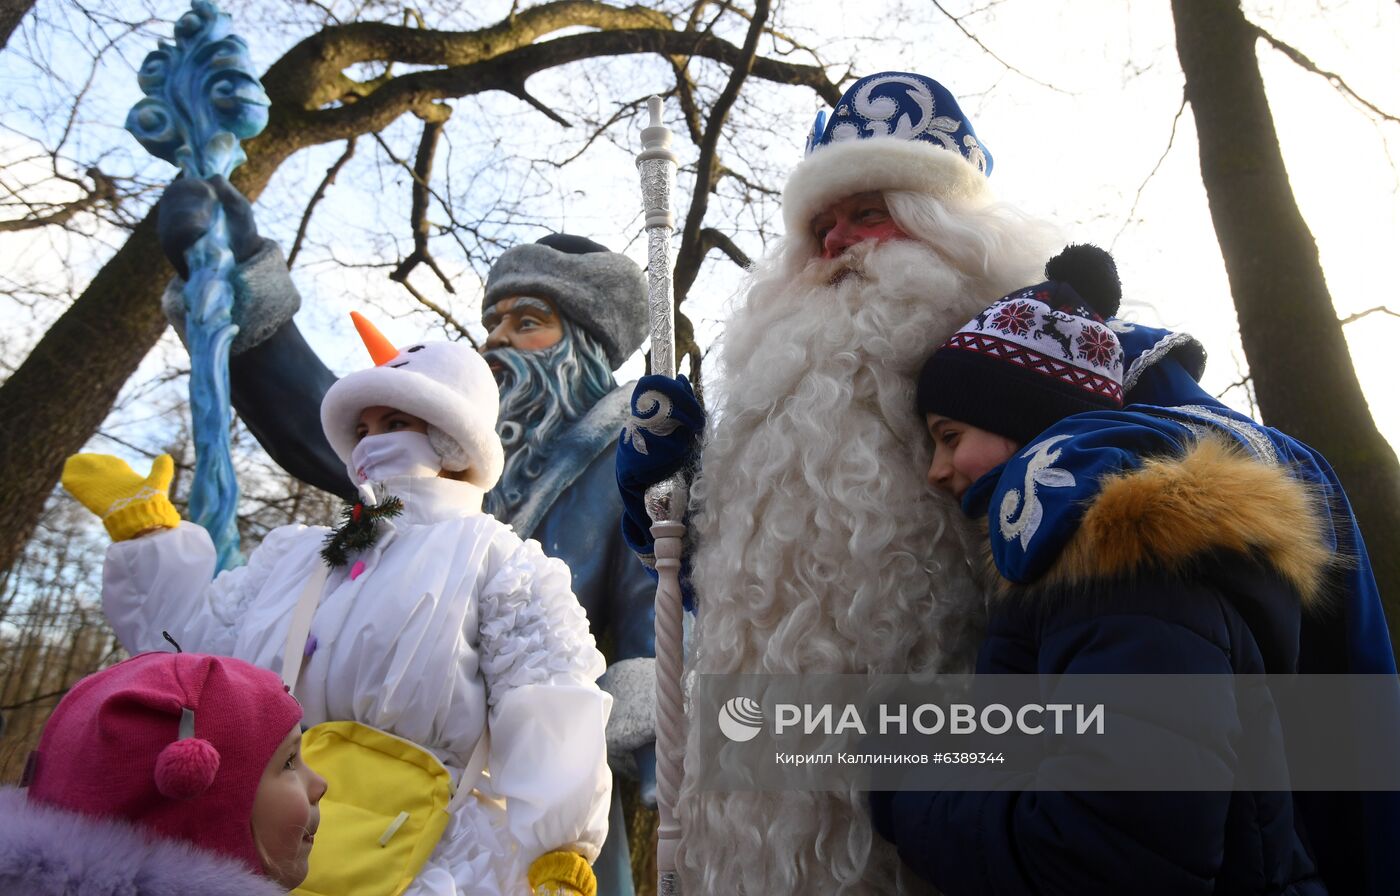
(358, 529)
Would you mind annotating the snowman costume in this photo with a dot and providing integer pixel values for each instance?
(446, 628)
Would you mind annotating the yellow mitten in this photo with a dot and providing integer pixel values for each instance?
(127, 504)
(562, 873)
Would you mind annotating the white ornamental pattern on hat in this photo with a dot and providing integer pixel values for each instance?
(1026, 331)
(972, 150)
(878, 116)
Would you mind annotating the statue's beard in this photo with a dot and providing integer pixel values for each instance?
(538, 401)
(820, 547)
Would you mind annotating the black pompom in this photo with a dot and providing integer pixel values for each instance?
(1092, 273)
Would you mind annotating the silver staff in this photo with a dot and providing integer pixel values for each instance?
(666, 500)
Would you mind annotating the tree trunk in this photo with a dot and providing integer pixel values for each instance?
(1303, 376)
(59, 396)
(12, 12)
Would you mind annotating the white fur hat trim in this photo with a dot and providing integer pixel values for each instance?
(876, 164)
(446, 383)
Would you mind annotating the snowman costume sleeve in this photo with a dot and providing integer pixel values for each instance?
(547, 716)
(161, 583)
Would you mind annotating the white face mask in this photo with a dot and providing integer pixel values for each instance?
(381, 457)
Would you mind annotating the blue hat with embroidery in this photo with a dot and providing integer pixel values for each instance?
(890, 131)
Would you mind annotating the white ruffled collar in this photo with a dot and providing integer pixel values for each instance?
(430, 499)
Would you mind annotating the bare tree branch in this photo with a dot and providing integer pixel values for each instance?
(422, 174)
(1245, 382)
(692, 250)
(1379, 309)
(102, 192)
(713, 239)
(623, 110)
(37, 698)
(726, 171)
(316, 197)
(419, 91)
(146, 452)
(440, 312)
(1171, 139)
(520, 92)
(988, 50)
(310, 75)
(685, 91)
(691, 253)
(418, 215)
(1307, 64)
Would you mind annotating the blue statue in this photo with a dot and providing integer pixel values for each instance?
(201, 100)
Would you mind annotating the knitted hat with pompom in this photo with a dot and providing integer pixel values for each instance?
(1035, 356)
(173, 742)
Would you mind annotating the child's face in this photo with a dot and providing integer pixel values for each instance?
(285, 812)
(962, 454)
(378, 420)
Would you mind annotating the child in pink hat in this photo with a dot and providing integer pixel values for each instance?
(167, 773)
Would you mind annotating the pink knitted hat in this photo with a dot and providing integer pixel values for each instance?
(174, 742)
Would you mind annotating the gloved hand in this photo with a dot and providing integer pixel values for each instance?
(661, 438)
(264, 297)
(562, 873)
(184, 214)
(127, 504)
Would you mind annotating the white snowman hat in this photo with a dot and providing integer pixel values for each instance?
(446, 383)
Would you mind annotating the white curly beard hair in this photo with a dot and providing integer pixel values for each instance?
(820, 548)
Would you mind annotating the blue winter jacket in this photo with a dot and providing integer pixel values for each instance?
(1197, 563)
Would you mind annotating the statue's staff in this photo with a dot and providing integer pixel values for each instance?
(201, 99)
(666, 500)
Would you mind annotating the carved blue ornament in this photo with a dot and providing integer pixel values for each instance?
(201, 96)
(905, 106)
(201, 100)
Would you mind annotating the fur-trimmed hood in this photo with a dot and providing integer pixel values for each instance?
(1175, 511)
(46, 851)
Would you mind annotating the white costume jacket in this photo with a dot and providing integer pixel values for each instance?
(454, 626)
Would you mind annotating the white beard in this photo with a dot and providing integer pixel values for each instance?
(820, 547)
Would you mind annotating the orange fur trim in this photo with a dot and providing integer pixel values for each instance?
(1174, 510)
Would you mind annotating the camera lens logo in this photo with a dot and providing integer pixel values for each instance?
(741, 718)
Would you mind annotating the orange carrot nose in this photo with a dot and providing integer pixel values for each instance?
(381, 350)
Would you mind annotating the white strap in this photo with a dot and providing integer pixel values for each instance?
(471, 775)
(393, 828)
(295, 651)
(293, 656)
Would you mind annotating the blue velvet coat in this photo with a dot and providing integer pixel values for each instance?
(1199, 563)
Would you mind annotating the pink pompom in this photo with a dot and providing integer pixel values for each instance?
(186, 768)
(357, 570)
